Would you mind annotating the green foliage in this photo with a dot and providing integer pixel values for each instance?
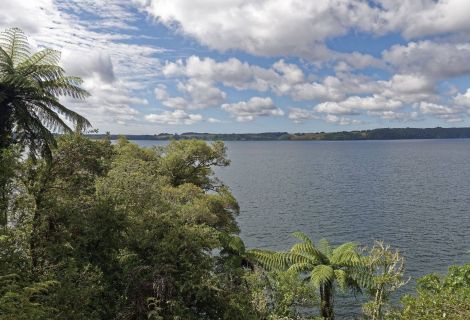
(124, 238)
(439, 297)
(279, 294)
(20, 302)
(8, 166)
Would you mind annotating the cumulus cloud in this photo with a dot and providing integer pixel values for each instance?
(232, 73)
(197, 95)
(176, 117)
(89, 65)
(432, 59)
(203, 93)
(448, 113)
(299, 115)
(268, 27)
(255, 107)
(329, 89)
(436, 17)
(342, 121)
(213, 120)
(463, 99)
(356, 105)
(293, 27)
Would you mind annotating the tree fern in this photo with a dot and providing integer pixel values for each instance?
(30, 85)
(322, 265)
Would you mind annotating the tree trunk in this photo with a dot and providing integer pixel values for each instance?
(6, 124)
(326, 302)
(6, 128)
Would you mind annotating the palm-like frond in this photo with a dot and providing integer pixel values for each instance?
(325, 247)
(346, 254)
(270, 260)
(302, 236)
(300, 267)
(322, 275)
(322, 265)
(342, 279)
(15, 44)
(30, 85)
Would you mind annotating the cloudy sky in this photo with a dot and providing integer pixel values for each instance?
(258, 65)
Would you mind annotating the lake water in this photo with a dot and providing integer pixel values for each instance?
(412, 194)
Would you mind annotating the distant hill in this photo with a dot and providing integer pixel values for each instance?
(374, 134)
(266, 136)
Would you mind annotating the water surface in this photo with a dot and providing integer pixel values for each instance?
(412, 194)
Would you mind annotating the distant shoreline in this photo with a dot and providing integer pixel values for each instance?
(373, 134)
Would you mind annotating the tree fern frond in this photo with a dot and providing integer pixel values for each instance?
(362, 276)
(50, 119)
(300, 267)
(302, 236)
(342, 279)
(346, 254)
(325, 247)
(322, 275)
(306, 247)
(70, 115)
(65, 86)
(6, 64)
(15, 43)
(302, 257)
(270, 260)
(43, 57)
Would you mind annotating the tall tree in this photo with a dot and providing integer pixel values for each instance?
(324, 266)
(30, 84)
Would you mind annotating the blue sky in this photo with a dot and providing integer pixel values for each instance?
(157, 66)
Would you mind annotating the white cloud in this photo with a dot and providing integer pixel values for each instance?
(463, 99)
(436, 109)
(176, 117)
(89, 65)
(330, 89)
(161, 92)
(448, 113)
(108, 103)
(255, 107)
(356, 105)
(267, 27)
(397, 116)
(438, 17)
(203, 93)
(176, 103)
(197, 95)
(432, 59)
(299, 115)
(342, 121)
(213, 120)
(300, 28)
(232, 73)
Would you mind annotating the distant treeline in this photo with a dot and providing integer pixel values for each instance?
(374, 134)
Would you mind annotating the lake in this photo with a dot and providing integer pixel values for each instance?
(412, 194)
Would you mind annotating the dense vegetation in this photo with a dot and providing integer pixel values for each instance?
(95, 230)
(374, 134)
